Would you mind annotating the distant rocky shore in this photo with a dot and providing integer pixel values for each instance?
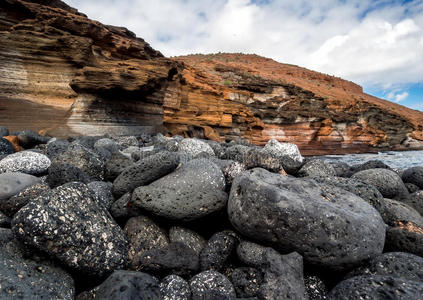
(153, 217)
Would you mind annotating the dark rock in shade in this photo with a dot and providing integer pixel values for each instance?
(315, 288)
(412, 188)
(386, 181)
(86, 141)
(396, 211)
(316, 168)
(4, 131)
(4, 221)
(189, 238)
(55, 148)
(28, 162)
(173, 287)
(283, 276)
(61, 173)
(193, 191)
(217, 148)
(259, 158)
(217, 250)
(83, 158)
(116, 165)
(128, 285)
(415, 201)
(246, 281)
(176, 259)
(329, 226)
(396, 264)
(13, 204)
(103, 192)
(145, 171)
(13, 183)
(29, 139)
(230, 169)
(6, 147)
(377, 287)
(237, 153)
(209, 281)
(119, 208)
(143, 235)
(250, 253)
(371, 164)
(405, 228)
(68, 224)
(23, 278)
(363, 190)
(414, 175)
(342, 169)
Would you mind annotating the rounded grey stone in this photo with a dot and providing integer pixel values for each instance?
(316, 168)
(194, 190)
(28, 162)
(13, 183)
(386, 181)
(414, 175)
(194, 147)
(6, 147)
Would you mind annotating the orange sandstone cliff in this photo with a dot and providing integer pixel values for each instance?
(64, 74)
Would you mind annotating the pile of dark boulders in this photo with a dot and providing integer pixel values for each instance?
(151, 217)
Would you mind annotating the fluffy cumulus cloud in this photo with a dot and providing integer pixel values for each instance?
(376, 43)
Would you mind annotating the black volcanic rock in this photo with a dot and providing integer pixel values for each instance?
(396, 264)
(386, 181)
(377, 287)
(217, 250)
(145, 171)
(328, 226)
(414, 175)
(143, 235)
(128, 285)
(68, 224)
(173, 287)
(6, 147)
(184, 194)
(210, 281)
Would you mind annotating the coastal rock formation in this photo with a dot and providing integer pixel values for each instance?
(76, 76)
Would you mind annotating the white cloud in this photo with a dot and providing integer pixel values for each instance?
(360, 40)
(401, 97)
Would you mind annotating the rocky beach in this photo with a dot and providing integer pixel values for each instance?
(155, 217)
(126, 174)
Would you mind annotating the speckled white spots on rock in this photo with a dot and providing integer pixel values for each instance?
(28, 162)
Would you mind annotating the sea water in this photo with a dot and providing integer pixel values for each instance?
(394, 159)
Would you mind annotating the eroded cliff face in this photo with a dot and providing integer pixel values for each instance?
(65, 74)
(88, 77)
(259, 99)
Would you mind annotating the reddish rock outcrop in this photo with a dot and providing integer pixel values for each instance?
(65, 74)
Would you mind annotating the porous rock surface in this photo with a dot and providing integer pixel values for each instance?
(328, 226)
(70, 225)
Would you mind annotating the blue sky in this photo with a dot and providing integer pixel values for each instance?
(375, 43)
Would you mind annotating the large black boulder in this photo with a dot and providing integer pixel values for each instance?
(68, 224)
(377, 287)
(329, 226)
